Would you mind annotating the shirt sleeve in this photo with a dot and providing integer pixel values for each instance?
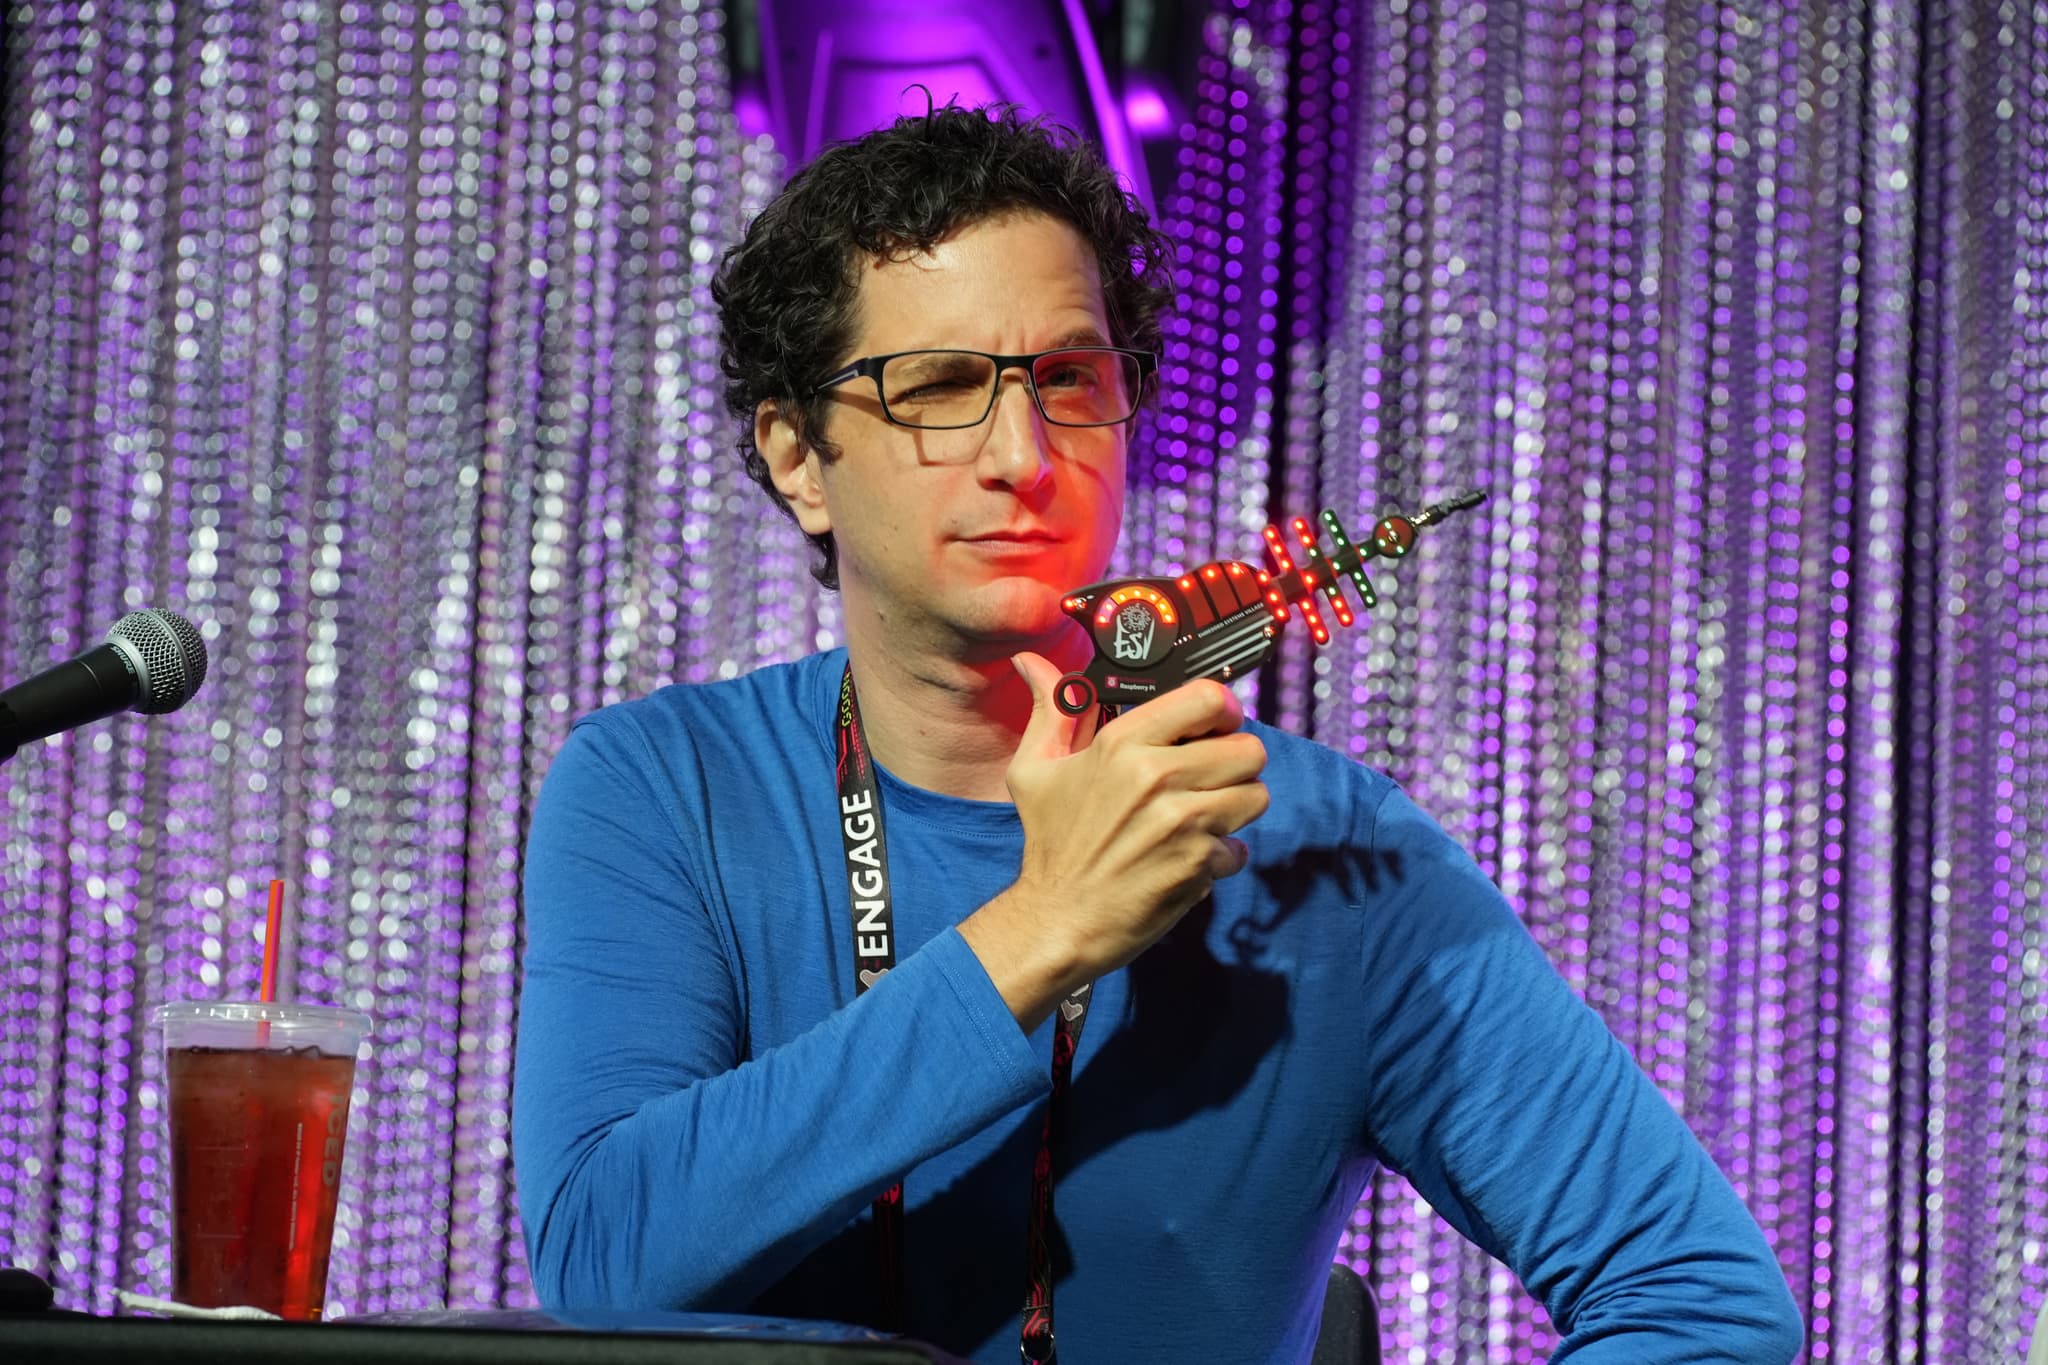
(1509, 1105)
(657, 1168)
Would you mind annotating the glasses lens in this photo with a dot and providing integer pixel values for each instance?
(938, 388)
(1086, 388)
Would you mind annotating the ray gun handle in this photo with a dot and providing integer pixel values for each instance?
(1223, 619)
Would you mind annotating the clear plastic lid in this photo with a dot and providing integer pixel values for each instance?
(253, 1023)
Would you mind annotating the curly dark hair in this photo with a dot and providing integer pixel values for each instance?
(786, 293)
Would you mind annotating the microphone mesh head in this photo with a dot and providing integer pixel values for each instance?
(173, 658)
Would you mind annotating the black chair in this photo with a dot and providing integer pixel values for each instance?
(1351, 1322)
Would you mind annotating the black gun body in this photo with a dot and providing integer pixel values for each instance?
(1153, 634)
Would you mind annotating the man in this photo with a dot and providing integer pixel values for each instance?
(1296, 976)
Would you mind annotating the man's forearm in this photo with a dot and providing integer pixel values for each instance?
(1019, 946)
(735, 1157)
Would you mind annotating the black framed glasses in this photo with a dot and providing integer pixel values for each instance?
(1073, 386)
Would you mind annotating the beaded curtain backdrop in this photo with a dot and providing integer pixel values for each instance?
(375, 336)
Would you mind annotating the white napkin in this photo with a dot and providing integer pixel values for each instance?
(142, 1303)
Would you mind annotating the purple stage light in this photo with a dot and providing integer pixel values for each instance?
(832, 71)
(1146, 112)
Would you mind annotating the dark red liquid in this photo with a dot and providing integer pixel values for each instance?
(256, 1139)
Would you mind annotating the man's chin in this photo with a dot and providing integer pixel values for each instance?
(1040, 627)
(1020, 612)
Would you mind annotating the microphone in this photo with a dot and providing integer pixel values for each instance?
(152, 662)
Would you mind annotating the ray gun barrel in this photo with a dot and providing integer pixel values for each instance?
(1223, 619)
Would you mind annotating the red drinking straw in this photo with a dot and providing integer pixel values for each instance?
(267, 990)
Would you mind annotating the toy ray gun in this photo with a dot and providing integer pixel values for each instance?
(1223, 619)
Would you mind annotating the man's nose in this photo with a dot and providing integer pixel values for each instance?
(1015, 452)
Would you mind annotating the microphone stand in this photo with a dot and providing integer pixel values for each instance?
(21, 1291)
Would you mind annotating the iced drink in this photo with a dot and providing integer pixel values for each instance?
(258, 1112)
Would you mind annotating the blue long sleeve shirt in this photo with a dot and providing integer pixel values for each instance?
(704, 1110)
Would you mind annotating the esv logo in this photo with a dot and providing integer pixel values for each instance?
(1135, 626)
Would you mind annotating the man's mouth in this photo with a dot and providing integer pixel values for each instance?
(1023, 537)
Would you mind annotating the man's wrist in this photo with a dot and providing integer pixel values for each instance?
(1021, 949)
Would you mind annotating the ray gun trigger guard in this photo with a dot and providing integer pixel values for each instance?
(1223, 619)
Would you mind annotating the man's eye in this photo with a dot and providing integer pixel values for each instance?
(934, 389)
(1067, 377)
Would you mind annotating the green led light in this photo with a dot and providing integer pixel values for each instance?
(1344, 551)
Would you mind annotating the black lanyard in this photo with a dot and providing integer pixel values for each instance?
(874, 953)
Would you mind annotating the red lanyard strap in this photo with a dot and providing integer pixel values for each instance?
(874, 955)
(1035, 1338)
(874, 948)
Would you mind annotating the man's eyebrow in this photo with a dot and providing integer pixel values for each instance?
(1080, 336)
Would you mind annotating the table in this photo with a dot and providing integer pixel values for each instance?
(457, 1338)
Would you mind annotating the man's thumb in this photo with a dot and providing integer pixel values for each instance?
(1050, 732)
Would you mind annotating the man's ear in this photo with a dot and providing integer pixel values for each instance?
(794, 467)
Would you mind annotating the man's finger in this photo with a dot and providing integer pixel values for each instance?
(1220, 761)
(1086, 726)
(1190, 711)
(1227, 858)
(1050, 733)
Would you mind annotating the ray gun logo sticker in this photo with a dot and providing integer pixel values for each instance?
(1224, 619)
(1135, 627)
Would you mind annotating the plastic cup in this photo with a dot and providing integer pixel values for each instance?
(259, 1110)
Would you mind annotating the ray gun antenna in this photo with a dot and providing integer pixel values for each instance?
(1223, 619)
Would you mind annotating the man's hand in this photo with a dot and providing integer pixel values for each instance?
(1124, 831)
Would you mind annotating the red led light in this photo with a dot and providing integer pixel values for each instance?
(1210, 572)
(1337, 602)
(1307, 606)
(1277, 551)
(1301, 532)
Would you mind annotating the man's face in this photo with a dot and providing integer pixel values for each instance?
(969, 556)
